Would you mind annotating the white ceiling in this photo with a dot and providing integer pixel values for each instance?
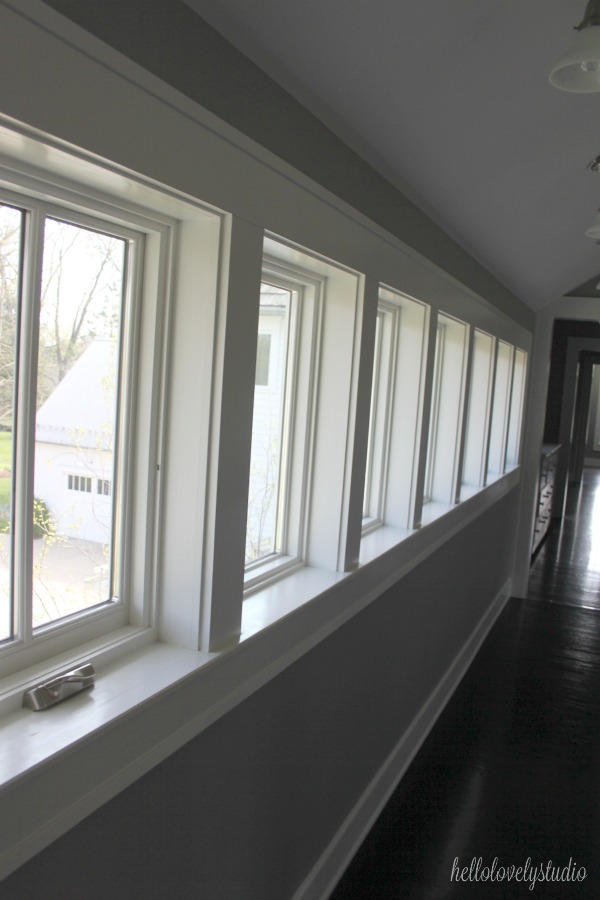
(450, 100)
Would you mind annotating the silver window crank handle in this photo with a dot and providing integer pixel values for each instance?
(59, 688)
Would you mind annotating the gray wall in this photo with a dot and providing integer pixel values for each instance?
(243, 811)
(168, 39)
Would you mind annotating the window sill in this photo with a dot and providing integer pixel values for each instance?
(262, 575)
(273, 602)
(433, 510)
(469, 490)
(375, 543)
(439, 522)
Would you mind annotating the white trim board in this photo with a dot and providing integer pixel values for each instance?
(334, 860)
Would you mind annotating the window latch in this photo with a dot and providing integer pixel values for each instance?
(59, 688)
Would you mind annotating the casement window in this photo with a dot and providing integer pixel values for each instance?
(500, 410)
(302, 422)
(78, 416)
(66, 285)
(287, 350)
(446, 410)
(517, 401)
(478, 413)
(396, 404)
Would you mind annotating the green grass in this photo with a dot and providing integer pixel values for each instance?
(6, 450)
(5, 491)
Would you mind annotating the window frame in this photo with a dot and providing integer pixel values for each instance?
(434, 409)
(447, 400)
(397, 410)
(40, 198)
(500, 414)
(478, 413)
(379, 418)
(517, 405)
(297, 428)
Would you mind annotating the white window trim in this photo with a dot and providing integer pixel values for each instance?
(300, 388)
(439, 500)
(26, 191)
(382, 404)
(438, 367)
(109, 631)
(517, 403)
(399, 410)
(501, 405)
(477, 430)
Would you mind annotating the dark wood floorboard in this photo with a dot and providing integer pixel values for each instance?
(566, 568)
(512, 768)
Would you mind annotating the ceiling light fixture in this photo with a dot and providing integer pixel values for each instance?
(594, 165)
(579, 69)
(594, 230)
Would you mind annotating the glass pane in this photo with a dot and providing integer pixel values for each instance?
(498, 430)
(263, 356)
(433, 416)
(268, 427)
(516, 408)
(478, 409)
(11, 224)
(367, 506)
(77, 394)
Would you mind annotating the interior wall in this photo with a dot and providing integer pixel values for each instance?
(166, 38)
(246, 809)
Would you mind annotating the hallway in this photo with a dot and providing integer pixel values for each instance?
(511, 769)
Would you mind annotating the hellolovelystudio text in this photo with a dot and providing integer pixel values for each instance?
(541, 872)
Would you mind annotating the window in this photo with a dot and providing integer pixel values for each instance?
(445, 423)
(287, 349)
(478, 413)
(396, 401)
(517, 401)
(63, 392)
(500, 410)
(104, 487)
(438, 361)
(301, 454)
(81, 359)
(270, 423)
(80, 483)
(378, 424)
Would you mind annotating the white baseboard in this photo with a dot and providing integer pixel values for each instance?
(329, 868)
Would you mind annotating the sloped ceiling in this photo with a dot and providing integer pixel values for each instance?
(450, 100)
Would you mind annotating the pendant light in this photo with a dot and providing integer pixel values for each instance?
(579, 69)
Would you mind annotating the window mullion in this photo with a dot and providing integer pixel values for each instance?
(25, 417)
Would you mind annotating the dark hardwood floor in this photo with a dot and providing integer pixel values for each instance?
(566, 568)
(512, 768)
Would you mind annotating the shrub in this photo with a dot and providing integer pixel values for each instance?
(42, 524)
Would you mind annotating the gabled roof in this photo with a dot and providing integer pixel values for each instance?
(80, 410)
